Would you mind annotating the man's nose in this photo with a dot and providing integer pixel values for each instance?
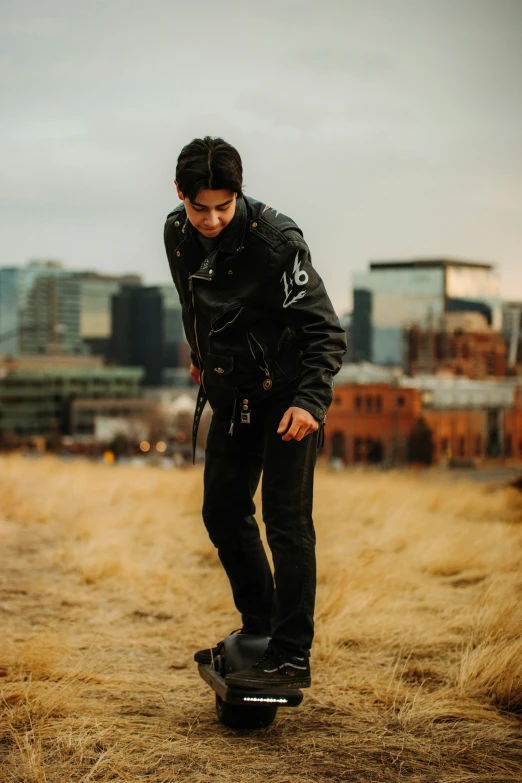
(212, 219)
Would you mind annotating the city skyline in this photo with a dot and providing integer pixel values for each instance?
(384, 130)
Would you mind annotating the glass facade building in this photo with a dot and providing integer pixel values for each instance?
(9, 311)
(395, 295)
(47, 309)
(147, 330)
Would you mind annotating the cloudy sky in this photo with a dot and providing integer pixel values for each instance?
(385, 128)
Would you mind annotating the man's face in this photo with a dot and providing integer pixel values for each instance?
(211, 211)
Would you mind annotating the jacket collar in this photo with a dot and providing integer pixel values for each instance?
(235, 234)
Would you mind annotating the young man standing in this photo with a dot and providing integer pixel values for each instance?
(265, 345)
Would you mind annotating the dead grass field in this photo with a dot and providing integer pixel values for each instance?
(108, 584)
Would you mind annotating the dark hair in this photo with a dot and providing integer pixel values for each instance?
(209, 163)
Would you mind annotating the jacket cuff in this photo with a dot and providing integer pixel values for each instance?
(317, 411)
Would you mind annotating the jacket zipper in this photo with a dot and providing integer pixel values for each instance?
(265, 368)
(200, 277)
(228, 323)
(196, 334)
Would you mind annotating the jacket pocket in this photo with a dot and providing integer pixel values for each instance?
(217, 367)
(225, 319)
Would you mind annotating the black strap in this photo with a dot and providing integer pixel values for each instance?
(200, 405)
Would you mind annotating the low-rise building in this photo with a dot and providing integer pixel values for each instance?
(37, 396)
(472, 350)
(380, 417)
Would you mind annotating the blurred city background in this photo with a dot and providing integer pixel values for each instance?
(389, 131)
(97, 364)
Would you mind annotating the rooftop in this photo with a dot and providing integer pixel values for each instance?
(424, 263)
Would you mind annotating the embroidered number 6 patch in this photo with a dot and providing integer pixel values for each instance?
(300, 279)
(300, 276)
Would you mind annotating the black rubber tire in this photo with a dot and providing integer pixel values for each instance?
(235, 716)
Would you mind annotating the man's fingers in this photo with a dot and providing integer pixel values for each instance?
(292, 432)
(296, 424)
(285, 421)
(299, 431)
(195, 374)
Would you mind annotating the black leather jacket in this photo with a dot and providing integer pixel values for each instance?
(256, 313)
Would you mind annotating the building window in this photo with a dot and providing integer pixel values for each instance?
(369, 403)
(358, 450)
(358, 403)
(490, 364)
(338, 400)
(338, 446)
(401, 401)
(378, 403)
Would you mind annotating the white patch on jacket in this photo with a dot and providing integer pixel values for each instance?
(298, 278)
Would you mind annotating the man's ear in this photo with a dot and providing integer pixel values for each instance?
(180, 194)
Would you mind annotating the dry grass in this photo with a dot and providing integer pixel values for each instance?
(108, 584)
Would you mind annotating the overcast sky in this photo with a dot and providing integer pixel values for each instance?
(385, 128)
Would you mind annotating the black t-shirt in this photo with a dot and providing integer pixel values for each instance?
(209, 244)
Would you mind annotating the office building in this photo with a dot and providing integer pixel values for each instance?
(395, 295)
(45, 308)
(96, 292)
(147, 330)
(9, 311)
(512, 332)
(38, 394)
(50, 318)
(17, 328)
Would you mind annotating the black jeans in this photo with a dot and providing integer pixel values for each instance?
(233, 468)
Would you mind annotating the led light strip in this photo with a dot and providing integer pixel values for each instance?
(271, 701)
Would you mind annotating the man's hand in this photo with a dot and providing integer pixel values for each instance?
(195, 373)
(296, 424)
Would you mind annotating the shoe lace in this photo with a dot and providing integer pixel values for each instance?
(269, 655)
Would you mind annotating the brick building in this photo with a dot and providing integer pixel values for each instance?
(377, 421)
(472, 354)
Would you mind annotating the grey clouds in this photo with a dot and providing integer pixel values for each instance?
(386, 129)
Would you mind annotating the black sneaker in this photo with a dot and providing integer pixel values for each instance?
(207, 656)
(274, 670)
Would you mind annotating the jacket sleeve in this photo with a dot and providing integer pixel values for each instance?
(297, 293)
(188, 323)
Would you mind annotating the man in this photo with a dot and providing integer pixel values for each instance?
(265, 344)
